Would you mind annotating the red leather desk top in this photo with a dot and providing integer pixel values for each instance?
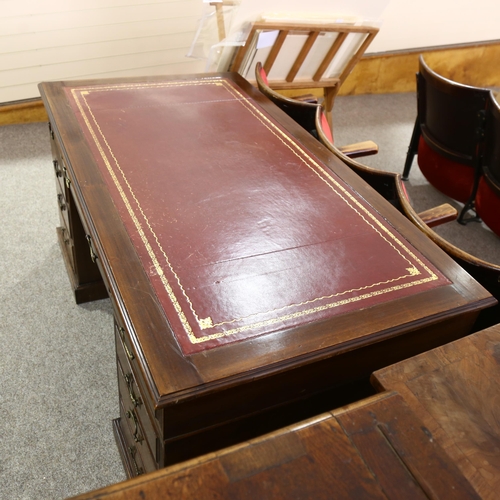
(241, 230)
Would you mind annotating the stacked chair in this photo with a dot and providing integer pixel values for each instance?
(390, 186)
(457, 139)
(487, 200)
(387, 184)
(449, 136)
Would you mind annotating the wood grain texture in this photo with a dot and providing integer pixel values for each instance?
(374, 449)
(191, 400)
(455, 391)
(473, 64)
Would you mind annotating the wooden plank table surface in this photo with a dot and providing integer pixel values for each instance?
(455, 391)
(375, 449)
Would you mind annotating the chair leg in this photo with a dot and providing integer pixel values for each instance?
(412, 150)
(469, 205)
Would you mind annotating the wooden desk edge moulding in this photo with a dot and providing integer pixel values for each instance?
(211, 260)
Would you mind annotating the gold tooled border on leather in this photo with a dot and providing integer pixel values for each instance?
(146, 232)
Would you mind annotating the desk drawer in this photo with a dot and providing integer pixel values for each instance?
(150, 417)
(134, 437)
(138, 456)
(143, 432)
(62, 203)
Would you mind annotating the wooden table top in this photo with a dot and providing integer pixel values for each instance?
(455, 391)
(235, 246)
(374, 449)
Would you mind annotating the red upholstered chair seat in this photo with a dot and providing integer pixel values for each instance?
(488, 206)
(325, 127)
(451, 178)
(263, 75)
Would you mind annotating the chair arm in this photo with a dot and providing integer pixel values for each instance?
(439, 215)
(358, 149)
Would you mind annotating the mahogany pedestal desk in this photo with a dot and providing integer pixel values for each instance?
(455, 391)
(373, 449)
(248, 268)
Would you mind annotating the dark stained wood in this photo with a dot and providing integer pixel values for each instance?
(455, 390)
(83, 273)
(451, 122)
(194, 398)
(374, 449)
(390, 186)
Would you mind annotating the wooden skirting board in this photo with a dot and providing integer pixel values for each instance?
(23, 112)
(472, 64)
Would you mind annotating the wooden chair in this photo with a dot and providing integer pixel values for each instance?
(325, 56)
(485, 273)
(387, 184)
(448, 136)
(487, 199)
(302, 111)
(392, 188)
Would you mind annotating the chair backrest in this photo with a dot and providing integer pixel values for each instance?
(491, 156)
(451, 116)
(485, 273)
(305, 56)
(304, 113)
(487, 197)
(385, 183)
(391, 187)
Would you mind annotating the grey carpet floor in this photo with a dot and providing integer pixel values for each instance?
(58, 388)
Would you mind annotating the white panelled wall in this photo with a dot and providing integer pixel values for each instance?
(72, 39)
(411, 24)
(44, 40)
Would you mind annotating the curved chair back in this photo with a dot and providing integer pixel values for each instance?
(391, 187)
(451, 115)
(487, 199)
(383, 182)
(448, 135)
(485, 273)
(304, 113)
(491, 156)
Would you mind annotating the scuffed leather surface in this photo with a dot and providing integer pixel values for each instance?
(241, 230)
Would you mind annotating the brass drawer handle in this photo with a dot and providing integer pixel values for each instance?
(129, 379)
(67, 180)
(130, 355)
(56, 168)
(138, 470)
(137, 436)
(93, 255)
(60, 201)
(66, 239)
